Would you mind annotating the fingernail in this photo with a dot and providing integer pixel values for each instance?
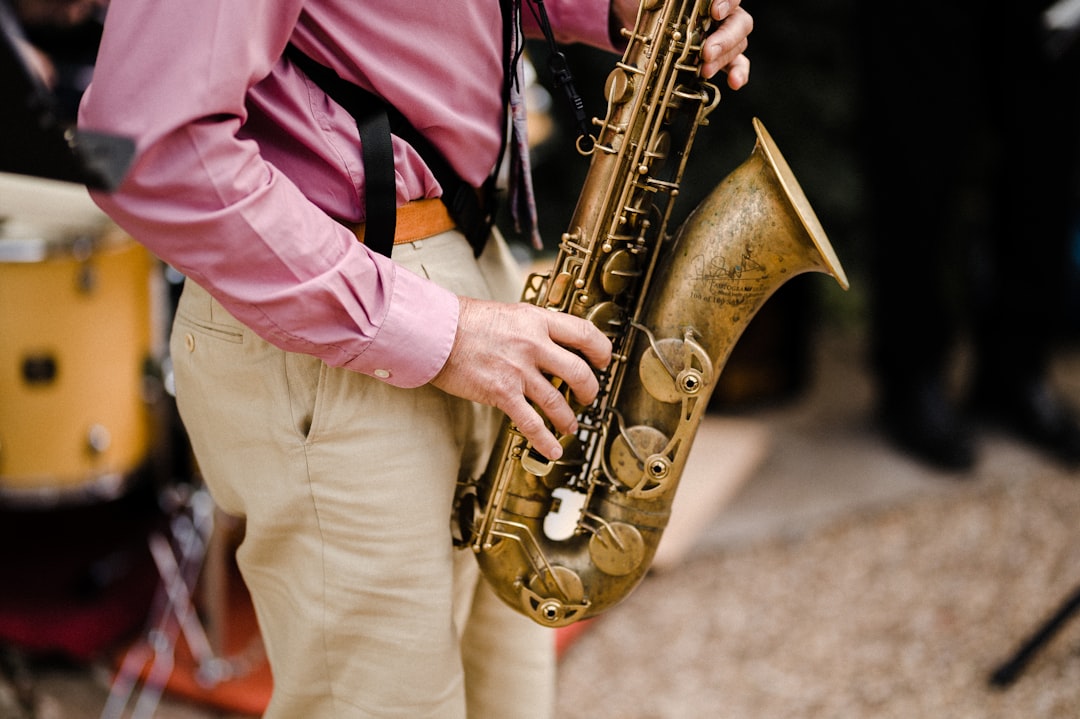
(720, 9)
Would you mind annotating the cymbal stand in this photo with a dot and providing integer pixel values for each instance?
(1010, 670)
(179, 558)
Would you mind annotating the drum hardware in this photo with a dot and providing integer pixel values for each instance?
(147, 665)
(187, 550)
(39, 369)
(98, 439)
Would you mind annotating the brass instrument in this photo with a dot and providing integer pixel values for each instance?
(674, 309)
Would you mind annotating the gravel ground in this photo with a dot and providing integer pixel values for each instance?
(902, 612)
(846, 581)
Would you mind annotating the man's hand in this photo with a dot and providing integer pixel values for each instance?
(723, 49)
(504, 355)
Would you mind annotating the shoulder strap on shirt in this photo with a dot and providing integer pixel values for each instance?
(473, 211)
(377, 150)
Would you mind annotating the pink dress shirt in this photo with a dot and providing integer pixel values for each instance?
(243, 163)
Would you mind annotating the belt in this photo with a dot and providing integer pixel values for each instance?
(416, 220)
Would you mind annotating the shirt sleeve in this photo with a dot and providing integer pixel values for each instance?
(173, 75)
(575, 21)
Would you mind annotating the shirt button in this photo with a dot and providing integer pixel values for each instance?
(189, 342)
(382, 373)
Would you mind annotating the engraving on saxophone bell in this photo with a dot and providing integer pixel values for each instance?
(674, 305)
(717, 280)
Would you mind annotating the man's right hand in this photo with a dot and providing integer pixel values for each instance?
(505, 354)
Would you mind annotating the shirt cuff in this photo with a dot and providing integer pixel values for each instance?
(415, 337)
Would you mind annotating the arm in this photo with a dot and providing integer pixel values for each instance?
(175, 75)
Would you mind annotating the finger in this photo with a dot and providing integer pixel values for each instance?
(580, 335)
(715, 61)
(722, 8)
(552, 404)
(738, 72)
(532, 427)
(574, 373)
(727, 42)
(571, 339)
(721, 49)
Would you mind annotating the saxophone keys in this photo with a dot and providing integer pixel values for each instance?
(619, 86)
(673, 369)
(538, 465)
(617, 549)
(554, 597)
(638, 461)
(608, 318)
(556, 294)
(620, 270)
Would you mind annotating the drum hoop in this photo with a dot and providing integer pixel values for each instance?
(80, 246)
(103, 487)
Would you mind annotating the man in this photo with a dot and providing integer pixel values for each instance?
(334, 396)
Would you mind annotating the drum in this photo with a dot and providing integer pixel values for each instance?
(75, 344)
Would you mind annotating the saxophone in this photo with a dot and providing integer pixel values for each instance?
(673, 307)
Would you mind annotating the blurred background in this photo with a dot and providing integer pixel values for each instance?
(815, 565)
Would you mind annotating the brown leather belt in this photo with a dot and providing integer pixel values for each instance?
(416, 220)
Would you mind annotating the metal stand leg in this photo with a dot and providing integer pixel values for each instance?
(1010, 670)
(179, 558)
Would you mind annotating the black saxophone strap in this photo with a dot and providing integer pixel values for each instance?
(377, 150)
(472, 210)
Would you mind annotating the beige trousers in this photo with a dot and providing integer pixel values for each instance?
(346, 485)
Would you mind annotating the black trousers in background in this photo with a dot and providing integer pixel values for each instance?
(970, 143)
